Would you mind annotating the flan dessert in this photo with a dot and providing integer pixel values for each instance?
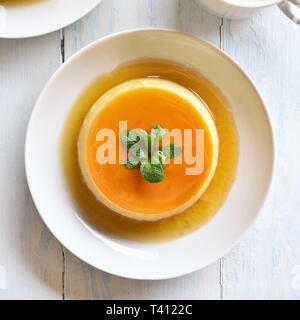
(146, 103)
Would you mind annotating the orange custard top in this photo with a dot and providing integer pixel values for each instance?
(144, 108)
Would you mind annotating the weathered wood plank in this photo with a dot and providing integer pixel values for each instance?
(260, 267)
(86, 282)
(83, 281)
(118, 15)
(28, 252)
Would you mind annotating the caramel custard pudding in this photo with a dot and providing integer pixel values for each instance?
(143, 103)
(98, 216)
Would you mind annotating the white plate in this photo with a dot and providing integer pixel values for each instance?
(39, 17)
(128, 258)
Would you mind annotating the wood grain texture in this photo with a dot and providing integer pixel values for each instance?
(264, 265)
(83, 281)
(29, 253)
(261, 266)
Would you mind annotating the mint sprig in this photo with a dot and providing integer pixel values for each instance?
(145, 152)
(157, 133)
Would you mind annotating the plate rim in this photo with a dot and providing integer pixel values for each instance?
(265, 110)
(53, 29)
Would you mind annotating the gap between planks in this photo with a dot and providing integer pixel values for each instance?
(222, 47)
(62, 58)
(63, 276)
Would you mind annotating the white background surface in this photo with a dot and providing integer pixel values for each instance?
(264, 265)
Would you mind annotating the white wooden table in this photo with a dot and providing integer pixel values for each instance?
(264, 265)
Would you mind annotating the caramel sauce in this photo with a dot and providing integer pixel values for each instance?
(101, 219)
(16, 3)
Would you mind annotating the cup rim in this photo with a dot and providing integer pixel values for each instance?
(251, 4)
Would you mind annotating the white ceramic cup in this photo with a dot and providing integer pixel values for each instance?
(240, 9)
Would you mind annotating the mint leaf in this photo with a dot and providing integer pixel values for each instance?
(137, 151)
(157, 132)
(151, 143)
(141, 154)
(159, 158)
(148, 141)
(152, 173)
(162, 159)
(171, 151)
(145, 139)
(129, 138)
(132, 163)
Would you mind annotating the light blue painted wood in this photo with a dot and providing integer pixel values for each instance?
(118, 15)
(264, 265)
(268, 48)
(28, 252)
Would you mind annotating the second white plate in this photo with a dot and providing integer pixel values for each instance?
(30, 18)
